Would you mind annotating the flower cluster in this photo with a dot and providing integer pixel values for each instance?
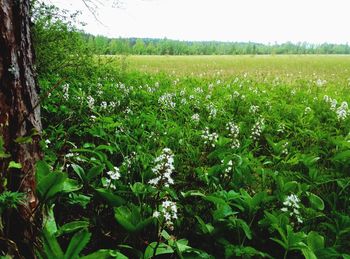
(307, 110)
(113, 175)
(168, 211)
(164, 167)
(285, 149)
(292, 205)
(212, 111)
(209, 138)
(233, 133)
(320, 82)
(123, 88)
(342, 111)
(66, 91)
(103, 105)
(258, 128)
(332, 102)
(229, 166)
(166, 101)
(195, 117)
(91, 102)
(198, 90)
(253, 109)
(128, 161)
(281, 128)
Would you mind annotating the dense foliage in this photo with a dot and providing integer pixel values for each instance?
(163, 165)
(193, 167)
(102, 45)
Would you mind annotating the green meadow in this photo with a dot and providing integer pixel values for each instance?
(335, 68)
(203, 157)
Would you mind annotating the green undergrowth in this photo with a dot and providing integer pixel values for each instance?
(148, 165)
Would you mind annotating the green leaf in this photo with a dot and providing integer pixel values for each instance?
(15, 165)
(138, 188)
(3, 154)
(77, 244)
(71, 185)
(50, 185)
(315, 201)
(94, 171)
(51, 247)
(308, 253)
(161, 249)
(206, 228)
(50, 222)
(105, 254)
(24, 140)
(80, 172)
(42, 170)
(110, 198)
(315, 241)
(182, 245)
(246, 228)
(342, 156)
(72, 227)
(131, 220)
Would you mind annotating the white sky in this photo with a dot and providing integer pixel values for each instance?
(265, 21)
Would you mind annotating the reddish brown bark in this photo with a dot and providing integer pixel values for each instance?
(19, 116)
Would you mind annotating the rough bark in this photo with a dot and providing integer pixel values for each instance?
(19, 117)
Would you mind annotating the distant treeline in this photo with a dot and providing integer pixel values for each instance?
(145, 46)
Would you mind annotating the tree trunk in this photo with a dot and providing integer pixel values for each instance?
(19, 119)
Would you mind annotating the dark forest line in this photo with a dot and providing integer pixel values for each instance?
(102, 45)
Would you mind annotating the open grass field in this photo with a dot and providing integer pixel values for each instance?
(333, 68)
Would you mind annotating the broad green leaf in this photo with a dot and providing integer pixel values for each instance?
(110, 198)
(308, 253)
(206, 228)
(51, 247)
(182, 245)
(160, 250)
(342, 156)
(315, 241)
(131, 220)
(14, 165)
(50, 222)
(80, 172)
(316, 202)
(42, 170)
(94, 171)
(72, 227)
(246, 229)
(50, 185)
(24, 140)
(71, 185)
(77, 244)
(105, 254)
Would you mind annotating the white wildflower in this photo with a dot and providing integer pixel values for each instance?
(164, 167)
(257, 128)
(195, 117)
(253, 109)
(307, 110)
(292, 205)
(209, 138)
(166, 101)
(114, 174)
(91, 101)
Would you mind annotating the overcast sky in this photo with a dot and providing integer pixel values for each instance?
(265, 21)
